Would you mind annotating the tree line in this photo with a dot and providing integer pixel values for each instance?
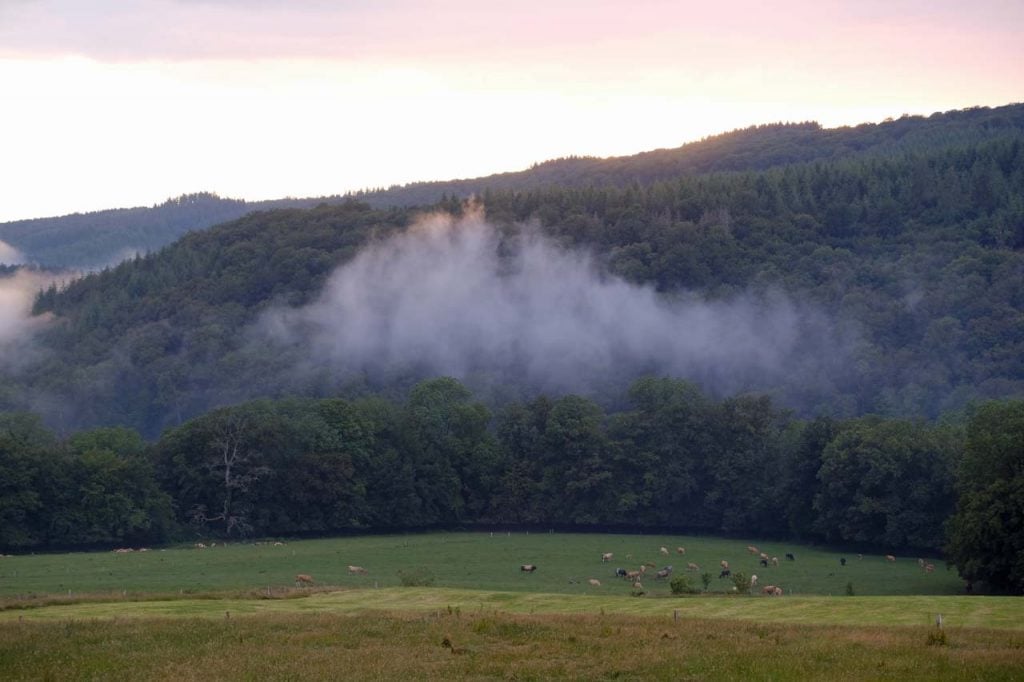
(669, 458)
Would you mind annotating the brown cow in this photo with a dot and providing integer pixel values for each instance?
(890, 558)
(303, 579)
(692, 567)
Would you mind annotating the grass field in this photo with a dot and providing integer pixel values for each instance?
(231, 612)
(465, 560)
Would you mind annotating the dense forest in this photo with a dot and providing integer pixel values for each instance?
(671, 459)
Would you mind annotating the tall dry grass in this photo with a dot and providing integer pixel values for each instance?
(493, 646)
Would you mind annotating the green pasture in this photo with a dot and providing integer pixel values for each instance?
(479, 561)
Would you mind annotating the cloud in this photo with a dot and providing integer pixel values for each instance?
(459, 297)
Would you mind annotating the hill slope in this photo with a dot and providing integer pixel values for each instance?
(890, 283)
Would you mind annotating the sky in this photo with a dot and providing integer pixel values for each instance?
(107, 104)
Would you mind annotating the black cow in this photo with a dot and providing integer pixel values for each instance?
(725, 573)
(764, 562)
(790, 557)
(528, 568)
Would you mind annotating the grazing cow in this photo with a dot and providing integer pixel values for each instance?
(663, 550)
(632, 575)
(752, 549)
(725, 573)
(842, 561)
(680, 550)
(594, 582)
(620, 573)
(607, 556)
(775, 561)
(724, 564)
(768, 589)
(928, 568)
(278, 544)
(528, 568)
(764, 556)
(664, 573)
(357, 570)
(764, 563)
(790, 557)
(692, 567)
(777, 592)
(890, 558)
(200, 545)
(303, 579)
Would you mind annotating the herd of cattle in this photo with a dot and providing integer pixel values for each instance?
(634, 576)
(631, 576)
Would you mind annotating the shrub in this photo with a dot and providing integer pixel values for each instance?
(741, 582)
(681, 585)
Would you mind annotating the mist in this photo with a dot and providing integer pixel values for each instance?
(10, 255)
(460, 297)
(17, 324)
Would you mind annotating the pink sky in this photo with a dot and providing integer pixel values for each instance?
(116, 103)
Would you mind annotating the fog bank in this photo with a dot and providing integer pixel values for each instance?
(457, 297)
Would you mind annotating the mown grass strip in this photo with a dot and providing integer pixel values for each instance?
(957, 612)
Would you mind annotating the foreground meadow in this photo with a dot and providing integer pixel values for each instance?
(232, 612)
(466, 645)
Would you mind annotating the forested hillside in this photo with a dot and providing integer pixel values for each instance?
(756, 148)
(906, 272)
(102, 238)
